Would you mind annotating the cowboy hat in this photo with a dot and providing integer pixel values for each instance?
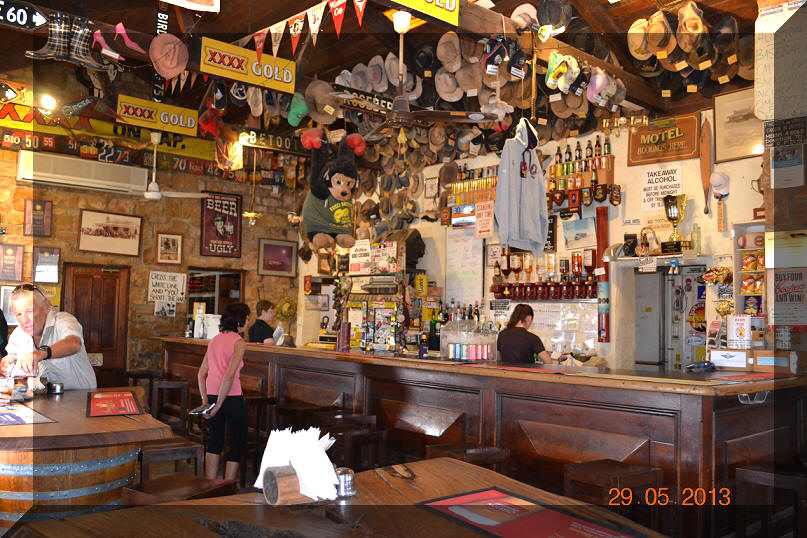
(437, 137)
(675, 61)
(447, 87)
(469, 78)
(704, 55)
(322, 106)
(415, 184)
(343, 78)
(391, 69)
(371, 154)
(722, 72)
(725, 36)
(690, 26)
(425, 62)
(169, 55)
(471, 49)
(745, 57)
(524, 15)
(369, 210)
(637, 40)
(359, 79)
(560, 108)
(448, 51)
(367, 180)
(556, 13)
(660, 37)
(560, 129)
(376, 74)
(428, 95)
(448, 174)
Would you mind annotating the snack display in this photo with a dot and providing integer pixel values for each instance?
(751, 306)
(759, 284)
(751, 240)
(761, 260)
(725, 308)
(749, 285)
(750, 262)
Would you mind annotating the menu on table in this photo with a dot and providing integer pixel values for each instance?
(13, 414)
(104, 404)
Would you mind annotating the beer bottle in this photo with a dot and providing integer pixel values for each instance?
(594, 179)
(589, 150)
(607, 146)
(597, 147)
(578, 152)
(567, 155)
(558, 156)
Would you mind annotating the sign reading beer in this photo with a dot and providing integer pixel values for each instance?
(158, 116)
(670, 139)
(221, 225)
(443, 10)
(236, 63)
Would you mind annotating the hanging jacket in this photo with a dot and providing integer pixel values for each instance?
(520, 208)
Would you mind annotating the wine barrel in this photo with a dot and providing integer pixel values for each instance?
(59, 483)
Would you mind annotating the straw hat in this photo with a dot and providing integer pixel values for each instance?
(690, 26)
(469, 77)
(448, 51)
(447, 87)
(660, 36)
(437, 137)
(471, 49)
(322, 106)
(637, 40)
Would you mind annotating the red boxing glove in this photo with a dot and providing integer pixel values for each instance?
(312, 139)
(357, 143)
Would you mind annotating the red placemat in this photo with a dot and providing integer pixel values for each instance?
(104, 404)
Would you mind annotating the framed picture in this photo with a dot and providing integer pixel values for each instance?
(5, 302)
(168, 248)
(11, 262)
(38, 218)
(738, 132)
(221, 225)
(277, 258)
(110, 233)
(46, 265)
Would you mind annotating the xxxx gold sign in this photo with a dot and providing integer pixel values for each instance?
(669, 139)
(157, 116)
(225, 60)
(444, 10)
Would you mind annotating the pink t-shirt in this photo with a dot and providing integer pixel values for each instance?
(219, 352)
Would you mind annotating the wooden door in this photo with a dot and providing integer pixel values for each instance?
(99, 298)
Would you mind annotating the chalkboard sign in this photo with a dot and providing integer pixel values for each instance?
(464, 265)
(788, 132)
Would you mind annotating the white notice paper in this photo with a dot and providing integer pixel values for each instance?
(658, 183)
(647, 264)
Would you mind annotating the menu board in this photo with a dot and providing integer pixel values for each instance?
(104, 404)
(464, 265)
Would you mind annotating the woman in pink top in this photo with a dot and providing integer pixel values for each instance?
(220, 383)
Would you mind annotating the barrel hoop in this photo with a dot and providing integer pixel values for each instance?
(59, 469)
(43, 516)
(64, 494)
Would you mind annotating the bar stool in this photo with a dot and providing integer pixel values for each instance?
(771, 476)
(259, 409)
(134, 377)
(179, 425)
(591, 482)
(492, 457)
(176, 450)
(299, 415)
(359, 445)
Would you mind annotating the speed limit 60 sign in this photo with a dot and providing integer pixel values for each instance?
(22, 15)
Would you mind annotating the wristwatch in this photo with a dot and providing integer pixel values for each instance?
(47, 350)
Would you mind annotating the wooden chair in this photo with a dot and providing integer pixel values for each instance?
(135, 376)
(359, 445)
(177, 487)
(770, 476)
(178, 424)
(492, 457)
(176, 449)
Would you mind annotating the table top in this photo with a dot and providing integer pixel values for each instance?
(74, 429)
(383, 505)
(701, 384)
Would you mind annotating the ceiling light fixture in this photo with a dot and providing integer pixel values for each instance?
(47, 103)
(401, 21)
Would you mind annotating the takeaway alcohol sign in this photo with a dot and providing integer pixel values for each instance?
(236, 63)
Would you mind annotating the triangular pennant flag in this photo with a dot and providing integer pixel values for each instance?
(338, 13)
(295, 29)
(167, 83)
(360, 5)
(314, 14)
(193, 78)
(174, 84)
(260, 39)
(183, 78)
(204, 78)
(277, 35)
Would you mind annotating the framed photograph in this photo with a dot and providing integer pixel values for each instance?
(11, 262)
(110, 233)
(277, 258)
(221, 225)
(46, 265)
(5, 302)
(738, 132)
(168, 248)
(38, 218)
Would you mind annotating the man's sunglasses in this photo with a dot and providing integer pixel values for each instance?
(28, 288)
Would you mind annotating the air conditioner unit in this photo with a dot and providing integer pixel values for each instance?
(55, 169)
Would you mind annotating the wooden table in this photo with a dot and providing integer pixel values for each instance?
(383, 506)
(71, 465)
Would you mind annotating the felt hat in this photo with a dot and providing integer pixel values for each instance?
(415, 161)
(369, 210)
(725, 35)
(377, 74)
(271, 103)
(425, 62)
(690, 26)
(238, 94)
(359, 80)
(399, 197)
(544, 133)
(469, 77)
(675, 61)
(386, 183)
(385, 148)
(429, 156)
(415, 184)
(722, 72)
(255, 100)
(660, 36)
(649, 68)
(560, 108)
(557, 13)
(448, 51)
(371, 154)
(322, 106)
(448, 174)
(704, 55)
(410, 210)
(391, 69)
(298, 109)
(415, 93)
(428, 96)
(421, 135)
(580, 35)
(498, 80)
(577, 103)
(745, 57)
(671, 85)
(696, 80)
(525, 15)
(637, 40)
(385, 204)
(343, 78)
(560, 129)
(437, 137)
(168, 55)
(284, 100)
(471, 49)
(447, 87)
(367, 180)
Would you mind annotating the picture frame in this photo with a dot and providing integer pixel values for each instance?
(168, 248)
(11, 258)
(109, 233)
(221, 225)
(5, 303)
(739, 134)
(38, 218)
(277, 258)
(46, 265)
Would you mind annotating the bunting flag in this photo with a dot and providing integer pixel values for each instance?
(314, 14)
(194, 74)
(260, 39)
(295, 29)
(174, 84)
(183, 77)
(276, 30)
(360, 5)
(338, 13)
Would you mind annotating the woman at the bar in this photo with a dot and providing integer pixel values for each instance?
(516, 343)
(220, 383)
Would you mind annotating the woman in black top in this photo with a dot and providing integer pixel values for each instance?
(516, 343)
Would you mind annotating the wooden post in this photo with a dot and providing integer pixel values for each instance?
(281, 486)
(603, 291)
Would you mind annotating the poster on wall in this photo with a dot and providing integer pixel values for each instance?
(579, 233)
(221, 225)
(789, 300)
(787, 166)
(658, 183)
(11, 262)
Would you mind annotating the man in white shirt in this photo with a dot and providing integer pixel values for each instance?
(51, 339)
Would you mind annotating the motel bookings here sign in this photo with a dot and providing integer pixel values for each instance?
(236, 63)
(670, 139)
(157, 116)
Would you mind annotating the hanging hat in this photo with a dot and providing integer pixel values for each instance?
(618, 96)
(448, 51)
(469, 77)
(437, 137)
(555, 69)
(745, 57)
(696, 80)
(169, 55)
(560, 108)
(660, 37)
(571, 74)
(425, 62)
(397, 221)
(415, 184)
(671, 86)
(428, 96)
(415, 93)
(471, 49)
(415, 161)
(367, 180)
(581, 82)
(386, 183)
(369, 210)
(284, 100)
(704, 55)
(498, 80)
(343, 78)
(376, 74)
(690, 26)
(560, 129)
(524, 15)
(725, 36)
(421, 135)
(579, 35)
(255, 100)
(399, 197)
(577, 103)
(448, 174)
(371, 154)
(410, 210)
(359, 79)
(722, 72)
(675, 61)
(556, 13)
(391, 69)
(447, 87)
(322, 106)
(384, 204)
(637, 40)
(271, 103)
(597, 83)
(544, 133)
(238, 93)
(720, 184)
(649, 68)
(298, 109)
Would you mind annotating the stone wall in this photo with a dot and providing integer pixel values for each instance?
(171, 215)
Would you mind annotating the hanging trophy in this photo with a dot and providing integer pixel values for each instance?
(675, 210)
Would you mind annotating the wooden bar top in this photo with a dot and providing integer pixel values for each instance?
(74, 429)
(384, 505)
(709, 384)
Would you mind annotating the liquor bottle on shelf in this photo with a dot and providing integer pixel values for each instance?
(558, 156)
(506, 263)
(597, 147)
(594, 179)
(515, 264)
(497, 270)
(476, 311)
(567, 155)
(589, 150)
(578, 152)
(606, 148)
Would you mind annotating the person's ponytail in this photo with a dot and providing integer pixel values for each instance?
(520, 313)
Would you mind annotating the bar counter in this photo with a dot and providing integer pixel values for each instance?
(697, 427)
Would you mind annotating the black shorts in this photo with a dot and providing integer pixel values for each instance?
(233, 414)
